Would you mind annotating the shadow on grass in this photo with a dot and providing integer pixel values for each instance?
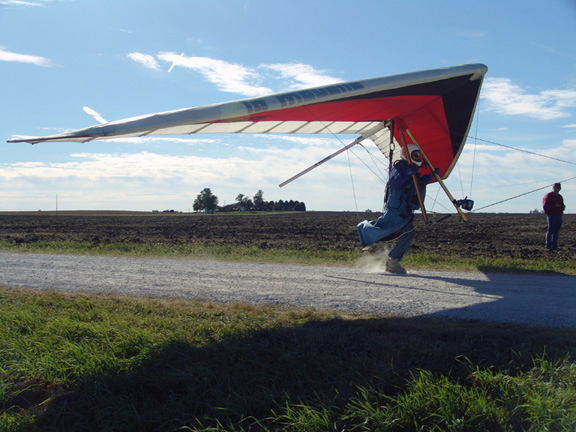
(249, 375)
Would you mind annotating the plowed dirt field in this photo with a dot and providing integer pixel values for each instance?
(484, 235)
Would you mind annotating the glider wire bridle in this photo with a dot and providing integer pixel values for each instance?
(525, 193)
(523, 151)
(379, 175)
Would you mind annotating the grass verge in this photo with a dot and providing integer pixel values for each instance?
(187, 251)
(281, 255)
(93, 362)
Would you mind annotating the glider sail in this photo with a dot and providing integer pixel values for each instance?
(436, 106)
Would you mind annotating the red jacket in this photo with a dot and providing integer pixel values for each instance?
(553, 204)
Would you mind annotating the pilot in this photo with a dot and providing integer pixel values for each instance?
(397, 221)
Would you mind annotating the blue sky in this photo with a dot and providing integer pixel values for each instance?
(69, 64)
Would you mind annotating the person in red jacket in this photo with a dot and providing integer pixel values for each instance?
(553, 204)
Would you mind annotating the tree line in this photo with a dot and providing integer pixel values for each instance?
(208, 202)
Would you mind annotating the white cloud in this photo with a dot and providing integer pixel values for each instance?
(20, 3)
(162, 140)
(304, 75)
(94, 114)
(504, 97)
(228, 77)
(8, 56)
(147, 180)
(304, 141)
(146, 60)
(237, 78)
(489, 174)
(99, 166)
(121, 179)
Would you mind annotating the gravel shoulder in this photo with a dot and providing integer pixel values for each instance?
(538, 300)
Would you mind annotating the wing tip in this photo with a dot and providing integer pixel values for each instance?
(21, 140)
(57, 138)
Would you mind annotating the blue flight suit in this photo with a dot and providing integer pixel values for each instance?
(398, 218)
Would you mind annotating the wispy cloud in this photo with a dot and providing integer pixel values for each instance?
(554, 50)
(94, 114)
(163, 140)
(301, 75)
(21, 3)
(9, 56)
(144, 180)
(501, 94)
(146, 60)
(504, 97)
(237, 78)
(228, 77)
(172, 178)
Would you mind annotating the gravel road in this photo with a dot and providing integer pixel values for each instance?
(539, 300)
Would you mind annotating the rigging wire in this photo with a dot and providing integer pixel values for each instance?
(518, 184)
(475, 138)
(526, 193)
(517, 149)
(352, 183)
(349, 161)
(460, 178)
(435, 200)
(376, 161)
(474, 154)
(524, 150)
(380, 176)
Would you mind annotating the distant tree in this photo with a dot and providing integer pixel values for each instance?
(261, 205)
(299, 206)
(205, 200)
(244, 202)
(259, 202)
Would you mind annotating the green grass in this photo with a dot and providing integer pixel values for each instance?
(515, 265)
(281, 255)
(86, 362)
(187, 251)
(108, 363)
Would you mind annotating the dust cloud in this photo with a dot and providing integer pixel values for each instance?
(373, 261)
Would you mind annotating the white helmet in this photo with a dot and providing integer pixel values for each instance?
(415, 155)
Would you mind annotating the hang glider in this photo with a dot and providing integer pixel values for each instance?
(434, 106)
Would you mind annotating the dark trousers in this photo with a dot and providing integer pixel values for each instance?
(407, 236)
(554, 224)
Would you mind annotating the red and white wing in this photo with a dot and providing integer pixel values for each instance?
(437, 106)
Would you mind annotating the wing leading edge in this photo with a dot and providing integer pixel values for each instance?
(436, 105)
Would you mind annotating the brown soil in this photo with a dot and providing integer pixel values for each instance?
(484, 235)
